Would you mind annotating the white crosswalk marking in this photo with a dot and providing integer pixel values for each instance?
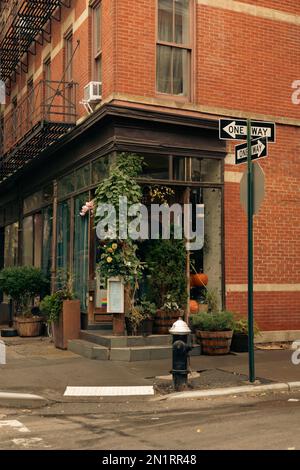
(13, 423)
(27, 442)
(108, 391)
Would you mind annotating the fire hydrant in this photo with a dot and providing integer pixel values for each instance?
(181, 349)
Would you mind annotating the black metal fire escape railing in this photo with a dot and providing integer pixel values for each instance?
(23, 23)
(49, 109)
(46, 113)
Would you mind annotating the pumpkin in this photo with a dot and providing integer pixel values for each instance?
(194, 306)
(199, 280)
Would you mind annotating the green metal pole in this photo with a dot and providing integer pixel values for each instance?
(250, 257)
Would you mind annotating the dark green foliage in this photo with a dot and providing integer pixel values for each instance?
(216, 321)
(166, 260)
(22, 283)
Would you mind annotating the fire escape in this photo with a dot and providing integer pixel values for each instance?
(48, 109)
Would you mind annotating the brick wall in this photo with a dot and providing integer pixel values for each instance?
(243, 63)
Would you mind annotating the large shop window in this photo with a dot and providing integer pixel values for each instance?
(28, 241)
(63, 236)
(209, 258)
(47, 240)
(81, 251)
(11, 233)
(173, 47)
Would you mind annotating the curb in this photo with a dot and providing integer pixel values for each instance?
(242, 390)
(21, 400)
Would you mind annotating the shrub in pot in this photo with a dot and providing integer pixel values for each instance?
(240, 335)
(166, 316)
(214, 331)
(140, 320)
(63, 314)
(22, 284)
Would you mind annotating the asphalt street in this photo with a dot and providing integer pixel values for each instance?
(254, 422)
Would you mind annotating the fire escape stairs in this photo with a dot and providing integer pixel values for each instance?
(48, 110)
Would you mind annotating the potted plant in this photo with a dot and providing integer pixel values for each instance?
(22, 284)
(63, 314)
(140, 320)
(214, 331)
(167, 315)
(240, 335)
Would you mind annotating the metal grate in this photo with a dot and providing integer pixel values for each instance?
(46, 113)
(21, 24)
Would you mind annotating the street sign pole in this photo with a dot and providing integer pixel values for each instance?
(250, 258)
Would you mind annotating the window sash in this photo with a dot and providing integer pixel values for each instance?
(97, 41)
(174, 22)
(173, 70)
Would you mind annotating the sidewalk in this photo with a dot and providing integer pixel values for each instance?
(35, 366)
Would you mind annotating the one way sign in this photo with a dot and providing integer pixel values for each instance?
(259, 149)
(230, 129)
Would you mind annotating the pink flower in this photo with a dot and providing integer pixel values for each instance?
(88, 206)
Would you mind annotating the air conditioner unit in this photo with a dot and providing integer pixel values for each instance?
(93, 92)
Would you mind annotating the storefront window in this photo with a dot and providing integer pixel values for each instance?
(209, 259)
(179, 168)
(28, 241)
(81, 252)
(11, 245)
(47, 240)
(82, 177)
(156, 167)
(206, 170)
(33, 202)
(66, 185)
(38, 234)
(100, 169)
(63, 236)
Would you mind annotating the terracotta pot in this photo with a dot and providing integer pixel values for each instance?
(68, 325)
(29, 327)
(214, 343)
(199, 280)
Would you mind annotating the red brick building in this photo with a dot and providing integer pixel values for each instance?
(165, 71)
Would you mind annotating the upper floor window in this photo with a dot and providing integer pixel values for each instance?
(97, 42)
(68, 62)
(173, 47)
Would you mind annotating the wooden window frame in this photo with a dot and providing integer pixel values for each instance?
(173, 45)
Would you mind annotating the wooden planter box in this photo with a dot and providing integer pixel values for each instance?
(68, 326)
(163, 321)
(29, 327)
(214, 343)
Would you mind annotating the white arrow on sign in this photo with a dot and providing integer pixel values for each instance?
(234, 130)
(256, 149)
